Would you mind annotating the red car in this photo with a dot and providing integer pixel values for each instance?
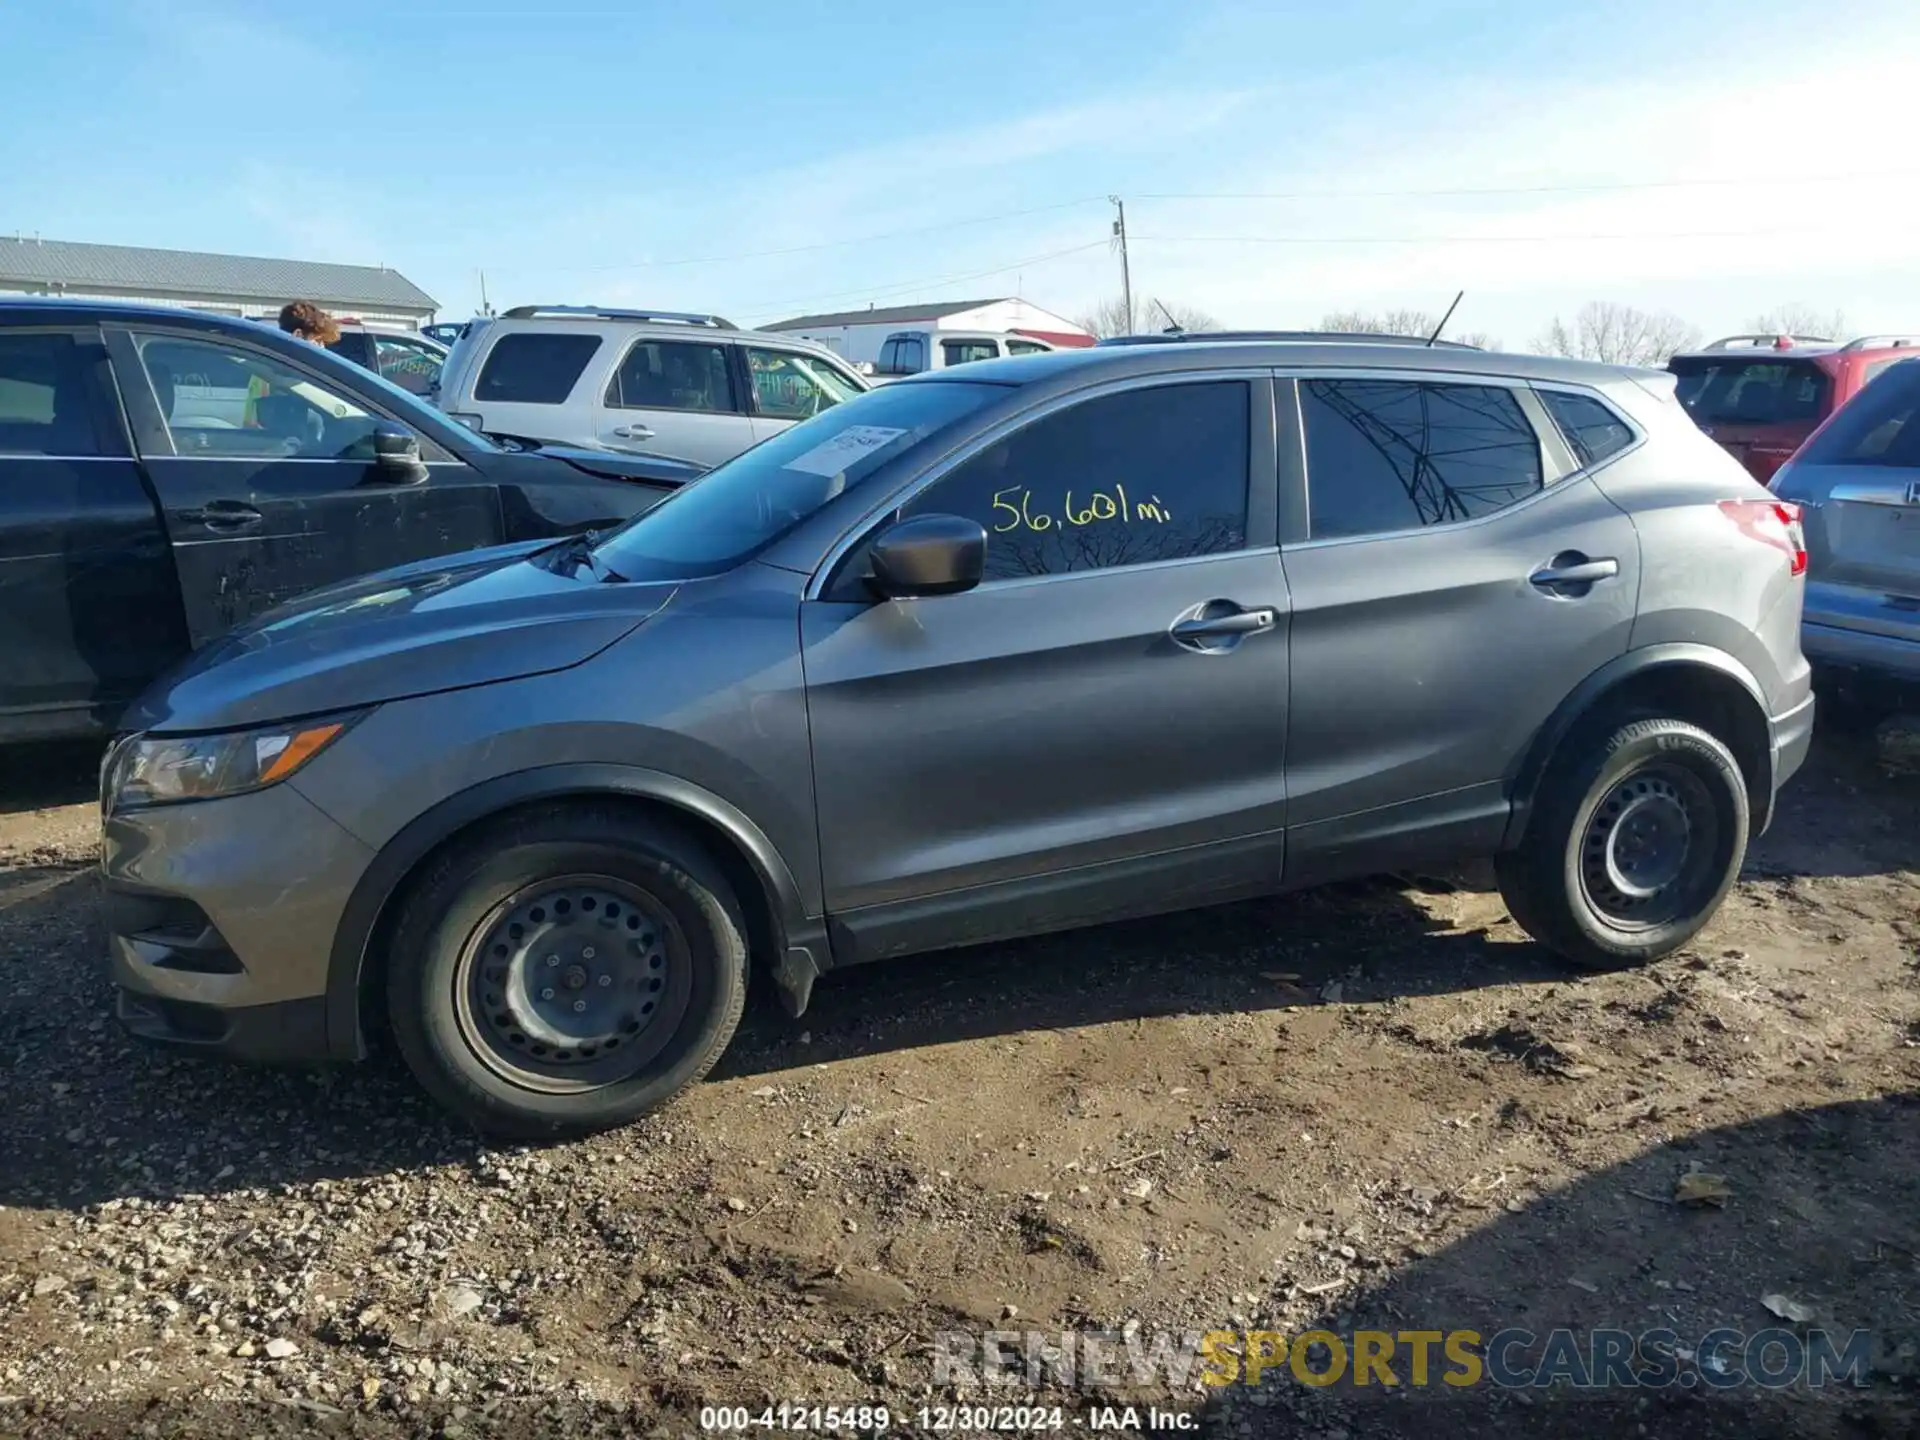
(1760, 396)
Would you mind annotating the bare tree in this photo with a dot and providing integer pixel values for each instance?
(1398, 322)
(1618, 335)
(1149, 316)
(1798, 319)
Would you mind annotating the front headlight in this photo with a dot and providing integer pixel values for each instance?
(165, 769)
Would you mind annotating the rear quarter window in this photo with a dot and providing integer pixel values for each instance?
(1593, 432)
(534, 368)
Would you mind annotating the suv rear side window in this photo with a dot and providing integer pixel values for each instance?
(534, 367)
(1879, 426)
(1751, 392)
(1387, 455)
(1593, 432)
(44, 403)
(1025, 347)
(1122, 479)
(673, 375)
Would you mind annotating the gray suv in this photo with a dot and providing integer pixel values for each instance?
(1019, 646)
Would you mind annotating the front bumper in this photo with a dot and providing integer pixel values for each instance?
(221, 917)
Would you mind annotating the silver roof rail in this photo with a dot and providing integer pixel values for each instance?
(1754, 342)
(602, 312)
(1882, 342)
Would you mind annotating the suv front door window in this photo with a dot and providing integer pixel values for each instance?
(788, 386)
(1047, 697)
(1122, 479)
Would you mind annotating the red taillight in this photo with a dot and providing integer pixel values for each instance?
(1771, 522)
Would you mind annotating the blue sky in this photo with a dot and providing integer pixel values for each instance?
(1739, 155)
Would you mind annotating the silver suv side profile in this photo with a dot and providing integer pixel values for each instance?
(1015, 647)
(695, 387)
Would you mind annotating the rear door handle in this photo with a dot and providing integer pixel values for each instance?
(1241, 622)
(1583, 572)
(222, 515)
(633, 432)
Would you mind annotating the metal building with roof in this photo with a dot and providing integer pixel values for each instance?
(228, 284)
(859, 334)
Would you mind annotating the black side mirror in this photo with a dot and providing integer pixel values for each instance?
(928, 555)
(396, 456)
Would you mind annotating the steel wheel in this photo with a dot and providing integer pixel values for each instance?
(572, 984)
(1647, 855)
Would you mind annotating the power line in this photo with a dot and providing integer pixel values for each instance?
(1596, 186)
(884, 291)
(1748, 232)
(940, 227)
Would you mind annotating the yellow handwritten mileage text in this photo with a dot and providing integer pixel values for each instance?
(1099, 506)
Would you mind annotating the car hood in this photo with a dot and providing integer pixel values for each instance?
(612, 464)
(445, 624)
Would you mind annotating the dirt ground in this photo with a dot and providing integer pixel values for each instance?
(1373, 1106)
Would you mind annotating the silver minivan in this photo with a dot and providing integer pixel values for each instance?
(654, 382)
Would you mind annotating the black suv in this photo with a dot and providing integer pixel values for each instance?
(165, 475)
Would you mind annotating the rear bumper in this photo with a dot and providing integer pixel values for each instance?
(1834, 648)
(1792, 738)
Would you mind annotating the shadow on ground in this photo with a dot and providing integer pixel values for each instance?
(35, 777)
(94, 1116)
(1819, 1210)
(91, 1116)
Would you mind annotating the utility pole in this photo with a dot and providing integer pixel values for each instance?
(1126, 275)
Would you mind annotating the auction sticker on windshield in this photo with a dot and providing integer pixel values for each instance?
(830, 457)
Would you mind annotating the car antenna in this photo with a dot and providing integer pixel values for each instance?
(1444, 318)
(1174, 327)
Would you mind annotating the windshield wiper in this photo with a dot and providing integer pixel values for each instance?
(577, 550)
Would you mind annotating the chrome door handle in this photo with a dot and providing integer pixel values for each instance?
(1583, 573)
(1242, 622)
(633, 432)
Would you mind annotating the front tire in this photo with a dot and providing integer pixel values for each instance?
(564, 971)
(1636, 837)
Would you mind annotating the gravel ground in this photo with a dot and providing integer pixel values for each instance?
(1371, 1105)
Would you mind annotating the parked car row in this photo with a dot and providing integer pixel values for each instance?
(1835, 428)
(1004, 647)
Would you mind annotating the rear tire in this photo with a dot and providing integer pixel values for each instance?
(564, 971)
(1637, 835)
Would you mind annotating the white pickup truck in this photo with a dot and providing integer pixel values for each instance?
(910, 352)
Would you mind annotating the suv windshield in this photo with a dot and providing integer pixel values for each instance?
(1880, 426)
(1751, 392)
(741, 508)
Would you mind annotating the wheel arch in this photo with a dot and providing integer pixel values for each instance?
(1688, 682)
(785, 937)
